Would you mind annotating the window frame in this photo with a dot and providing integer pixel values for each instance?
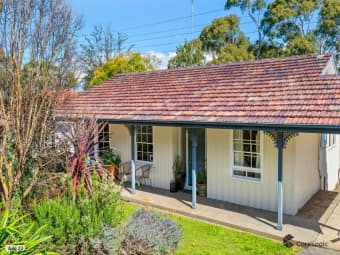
(247, 169)
(331, 141)
(97, 149)
(153, 146)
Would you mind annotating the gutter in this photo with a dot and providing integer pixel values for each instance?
(305, 128)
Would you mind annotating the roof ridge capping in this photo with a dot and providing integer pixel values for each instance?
(264, 60)
(331, 68)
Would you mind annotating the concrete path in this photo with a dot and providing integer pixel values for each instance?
(318, 251)
(297, 229)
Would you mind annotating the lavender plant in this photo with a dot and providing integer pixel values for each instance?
(106, 242)
(150, 233)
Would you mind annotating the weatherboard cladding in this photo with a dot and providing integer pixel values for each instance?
(273, 91)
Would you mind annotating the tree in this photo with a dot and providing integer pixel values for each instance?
(38, 34)
(126, 62)
(328, 30)
(101, 46)
(47, 70)
(188, 54)
(255, 10)
(291, 22)
(234, 53)
(222, 40)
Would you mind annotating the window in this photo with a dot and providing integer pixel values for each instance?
(247, 154)
(103, 139)
(144, 143)
(331, 140)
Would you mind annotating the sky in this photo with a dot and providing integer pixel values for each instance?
(152, 26)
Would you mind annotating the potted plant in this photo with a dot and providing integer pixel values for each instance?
(173, 187)
(179, 173)
(111, 160)
(202, 182)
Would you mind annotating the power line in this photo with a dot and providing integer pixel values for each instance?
(170, 20)
(168, 43)
(169, 30)
(165, 37)
(178, 42)
(177, 34)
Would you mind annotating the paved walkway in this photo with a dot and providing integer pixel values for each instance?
(318, 251)
(306, 227)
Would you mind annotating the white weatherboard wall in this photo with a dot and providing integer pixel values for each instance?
(165, 141)
(307, 175)
(333, 163)
(222, 186)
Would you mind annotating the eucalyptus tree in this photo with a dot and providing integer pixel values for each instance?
(221, 41)
(255, 10)
(292, 23)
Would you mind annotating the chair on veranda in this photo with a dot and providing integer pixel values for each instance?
(145, 174)
(142, 173)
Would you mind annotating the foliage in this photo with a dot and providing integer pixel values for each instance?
(202, 176)
(51, 72)
(100, 46)
(188, 54)
(41, 37)
(16, 230)
(328, 27)
(233, 53)
(150, 233)
(213, 239)
(283, 27)
(126, 62)
(220, 32)
(255, 10)
(79, 136)
(289, 18)
(222, 40)
(106, 242)
(110, 157)
(72, 225)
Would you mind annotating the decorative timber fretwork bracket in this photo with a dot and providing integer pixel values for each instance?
(280, 137)
(280, 140)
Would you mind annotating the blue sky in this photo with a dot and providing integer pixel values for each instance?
(154, 26)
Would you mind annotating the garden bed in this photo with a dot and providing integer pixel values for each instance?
(204, 238)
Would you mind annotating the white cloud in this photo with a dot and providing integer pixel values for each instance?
(163, 57)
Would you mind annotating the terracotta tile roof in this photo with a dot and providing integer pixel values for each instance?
(273, 91)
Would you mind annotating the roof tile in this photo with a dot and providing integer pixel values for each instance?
(273, 91)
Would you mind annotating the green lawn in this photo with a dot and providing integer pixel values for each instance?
(203, 238)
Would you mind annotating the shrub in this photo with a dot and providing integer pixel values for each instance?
(150, 233)
(71, 226)
(106, 242)
(17, 230)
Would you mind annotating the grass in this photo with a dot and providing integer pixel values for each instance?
(203, 238)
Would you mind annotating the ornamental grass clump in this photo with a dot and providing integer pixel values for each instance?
(150, 233)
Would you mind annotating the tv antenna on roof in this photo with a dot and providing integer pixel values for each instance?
(192, 19)
(192, 31)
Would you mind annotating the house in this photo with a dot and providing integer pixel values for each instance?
(267, 131)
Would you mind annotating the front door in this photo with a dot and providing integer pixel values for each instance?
(200, 159)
